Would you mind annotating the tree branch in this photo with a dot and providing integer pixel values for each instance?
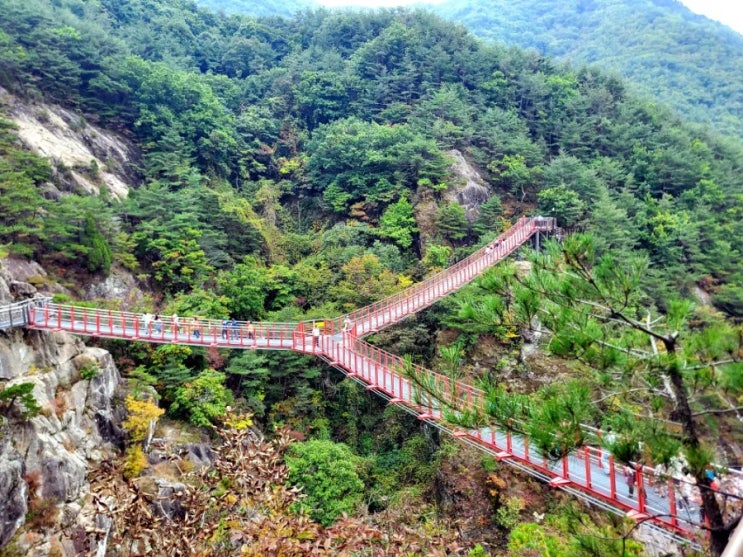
(645, 389)
(736, 409)
(715, 363)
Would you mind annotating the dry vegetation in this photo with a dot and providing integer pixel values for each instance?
(241, 506)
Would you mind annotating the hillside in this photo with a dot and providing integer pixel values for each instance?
(666, 51)
(258, 8)
(295, 169)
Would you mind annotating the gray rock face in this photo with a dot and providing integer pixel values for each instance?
(22, 290)
(168, 501)
(96, 158)
(473, 192)
(79, 422)
(5, 296)
(200, 454)
(119, 285)
(13, 489)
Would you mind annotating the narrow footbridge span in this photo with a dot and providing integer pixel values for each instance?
(585, 473)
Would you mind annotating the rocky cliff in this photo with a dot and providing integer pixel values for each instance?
(44, 460)
(83, 156)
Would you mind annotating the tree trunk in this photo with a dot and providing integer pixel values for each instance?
(682, 413)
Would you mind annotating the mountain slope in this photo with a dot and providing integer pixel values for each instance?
(683, 59)
(292, 169)
(257, 7)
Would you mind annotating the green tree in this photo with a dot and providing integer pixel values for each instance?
(595, 310)
(23, 393)
(100, 255)
(249, 374)
(328, 474)
(246, 287)
(203, 400)
(437, 257)
(398, 223)
(451, 221)
(180, 263)
(353, 161)
(21, 224)
(515, 171)
(488, 217)
(562, 203)
(365, 281)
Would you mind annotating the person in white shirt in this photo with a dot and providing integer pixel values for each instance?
(147, 322)
(608, 442)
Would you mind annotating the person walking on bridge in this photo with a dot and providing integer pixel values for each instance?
(147, 322)
(631, 474)
(608, 443)
(315, 334)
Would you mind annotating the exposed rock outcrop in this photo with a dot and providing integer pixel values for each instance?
(120, 285)
(472, 192)
(13, 488)
(85, 156)
(469, 190)
(45, 459)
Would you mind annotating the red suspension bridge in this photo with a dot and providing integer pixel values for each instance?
(585, 473)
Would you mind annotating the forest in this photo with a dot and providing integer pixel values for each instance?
(664, 50)
(300, 168)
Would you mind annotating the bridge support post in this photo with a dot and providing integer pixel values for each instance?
(640, 488)
(672, 501)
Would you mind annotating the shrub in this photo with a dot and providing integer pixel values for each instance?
(134, 463)
(23, 393)
(140, 414)
(203, 400)
(508, 514)
(42, 513)
(327, 472)
(529, 538)
(88, 372)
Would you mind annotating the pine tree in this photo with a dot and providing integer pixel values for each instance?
(591, 307)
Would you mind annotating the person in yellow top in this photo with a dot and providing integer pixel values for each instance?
(316, 334)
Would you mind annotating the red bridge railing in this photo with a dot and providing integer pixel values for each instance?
(587, 473)
(392, 309)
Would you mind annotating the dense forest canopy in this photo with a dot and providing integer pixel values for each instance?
(681, 58)
(668, 52)
(341, 115)
(300, 168)
(258, 7)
